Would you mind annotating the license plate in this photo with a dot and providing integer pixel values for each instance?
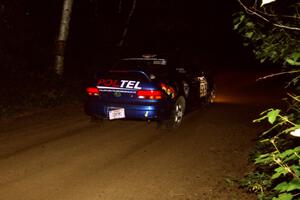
(117, 113)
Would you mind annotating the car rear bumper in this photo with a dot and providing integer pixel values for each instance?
(151, 111)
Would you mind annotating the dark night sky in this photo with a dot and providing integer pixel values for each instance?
(203, 30)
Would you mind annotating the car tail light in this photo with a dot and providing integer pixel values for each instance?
(149, 94)
(93, 91)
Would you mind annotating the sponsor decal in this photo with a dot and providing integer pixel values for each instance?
(103, 89)
(203, 86)
(122, 86)
(169, 90)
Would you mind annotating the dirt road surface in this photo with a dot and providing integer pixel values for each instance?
(58, 154)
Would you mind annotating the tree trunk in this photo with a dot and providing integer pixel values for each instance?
(127, 24)
(120, 7)
(62, 37)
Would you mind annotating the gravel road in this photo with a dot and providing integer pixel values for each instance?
(58, 154)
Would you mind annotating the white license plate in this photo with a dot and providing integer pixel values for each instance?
(117, 113)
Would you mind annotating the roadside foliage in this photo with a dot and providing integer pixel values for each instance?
(272, 30)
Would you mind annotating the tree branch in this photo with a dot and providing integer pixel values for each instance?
(278, 74)
(273, 15)
(120, 7)
(252, 12)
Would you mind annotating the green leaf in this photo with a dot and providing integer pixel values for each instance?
(242, 17)
(292, 62)
(236, 18)
(287, 187)
(290, 154)
(284, 196)
(294, 185)
(250, 24)
(296, 169)
(282, 187)
(293, 59)
(272, 115)
(286, 153)
(249, 34)
(236, 26)
(264, 159)
(295, 56)
(279, 171)
(238, 21)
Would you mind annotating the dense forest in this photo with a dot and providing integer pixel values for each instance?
(29, 29)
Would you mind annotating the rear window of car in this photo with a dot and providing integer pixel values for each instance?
(133, 75)
(157, 67)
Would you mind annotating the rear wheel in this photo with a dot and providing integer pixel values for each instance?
(176, 115)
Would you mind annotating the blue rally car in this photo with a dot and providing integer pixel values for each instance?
(148, 88)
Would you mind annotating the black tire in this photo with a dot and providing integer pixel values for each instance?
(176, 115)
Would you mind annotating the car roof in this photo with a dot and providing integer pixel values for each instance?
(155, 61)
